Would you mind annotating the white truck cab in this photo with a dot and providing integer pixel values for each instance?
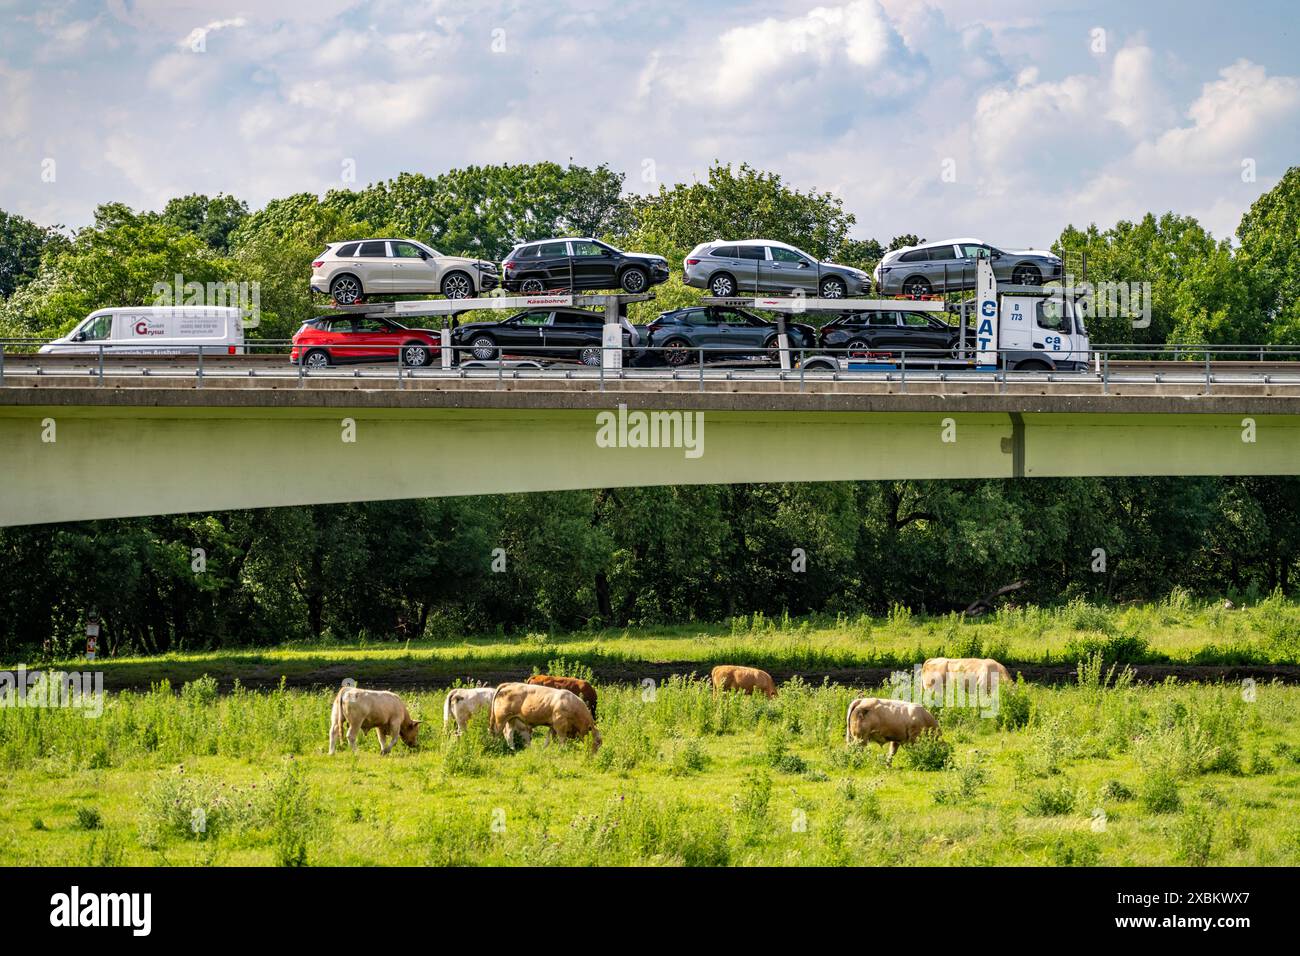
(1029, 328)
(158, 329)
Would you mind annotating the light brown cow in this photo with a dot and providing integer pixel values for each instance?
(362, 710)
(575, 684)
(878, 720)
(747, 680)
(938, 672)
(518, 707)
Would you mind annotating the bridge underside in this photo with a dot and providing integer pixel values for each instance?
(126, 453)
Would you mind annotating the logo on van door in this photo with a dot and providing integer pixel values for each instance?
(145, 327)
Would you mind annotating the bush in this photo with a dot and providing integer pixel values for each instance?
(1014, 707)
(88, 818)
(928, 752)
(963, 783)
(1116, 791)
(1159, 792)
(1074, 849)
(688, 758)
(1194, 836)
(292, 817)
(1051, 801)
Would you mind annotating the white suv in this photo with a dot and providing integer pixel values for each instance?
(348, 271)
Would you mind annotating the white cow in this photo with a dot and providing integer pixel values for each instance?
(378, 710)
(462, 703)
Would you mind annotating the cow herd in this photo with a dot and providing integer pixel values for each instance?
(566, 707)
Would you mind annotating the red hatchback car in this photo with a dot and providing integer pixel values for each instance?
(334, 340)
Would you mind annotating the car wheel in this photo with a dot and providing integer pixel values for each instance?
(532, 286)
(1026, 275)
(677, 352)
(722, 285)
(457, 285)
(415, 354)
(833, 288)
(316, 358)
(634, 280)
(916, 285)
(483, 347)
(773, 347)
(590, 356)
(346, 289)
(857, 345)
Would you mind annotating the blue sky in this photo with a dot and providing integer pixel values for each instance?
(1001, 118)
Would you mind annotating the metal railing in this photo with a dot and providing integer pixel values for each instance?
(277, 359)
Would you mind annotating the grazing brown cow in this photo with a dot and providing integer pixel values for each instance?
(575, 684)
(519, 707)
(362, 710)
(747, 680)
(978, 674)
(880, 721)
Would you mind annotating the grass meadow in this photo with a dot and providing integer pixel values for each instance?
(1101, 772)
(1177, 630)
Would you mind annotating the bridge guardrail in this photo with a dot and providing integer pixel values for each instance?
(1104, 362)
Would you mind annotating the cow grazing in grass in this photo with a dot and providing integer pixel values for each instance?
(880, 721)
(521, 707)
(747, 680)
(977, 675)
(363, 710)
(575, 684)
(462, 703)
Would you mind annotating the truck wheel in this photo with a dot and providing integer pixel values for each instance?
(1032, 366)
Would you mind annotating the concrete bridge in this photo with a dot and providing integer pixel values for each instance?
(73, 450)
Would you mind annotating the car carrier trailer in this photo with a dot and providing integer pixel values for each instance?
(1004, 327)
(613, 306)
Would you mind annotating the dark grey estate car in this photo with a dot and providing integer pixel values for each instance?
(677, 337)
(949, 265)
(765, 266)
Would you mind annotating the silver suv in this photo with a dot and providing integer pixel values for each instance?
(728, 268)
(949, 265)
(349, 271)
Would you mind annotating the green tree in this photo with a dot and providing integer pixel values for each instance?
(739, 202)
(22, 244)
(1270, 253)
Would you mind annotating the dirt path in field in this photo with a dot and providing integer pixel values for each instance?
(417, 677)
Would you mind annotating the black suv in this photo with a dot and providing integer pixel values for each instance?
(580, 264)
(919, 333)
(547, 333)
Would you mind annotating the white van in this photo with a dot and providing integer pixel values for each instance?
(155, 329)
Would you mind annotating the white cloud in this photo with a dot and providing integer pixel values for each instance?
(1236, 116)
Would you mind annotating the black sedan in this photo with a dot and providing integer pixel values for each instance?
(544, 333)
(921, 334)
(580, 264)
(722, 332)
